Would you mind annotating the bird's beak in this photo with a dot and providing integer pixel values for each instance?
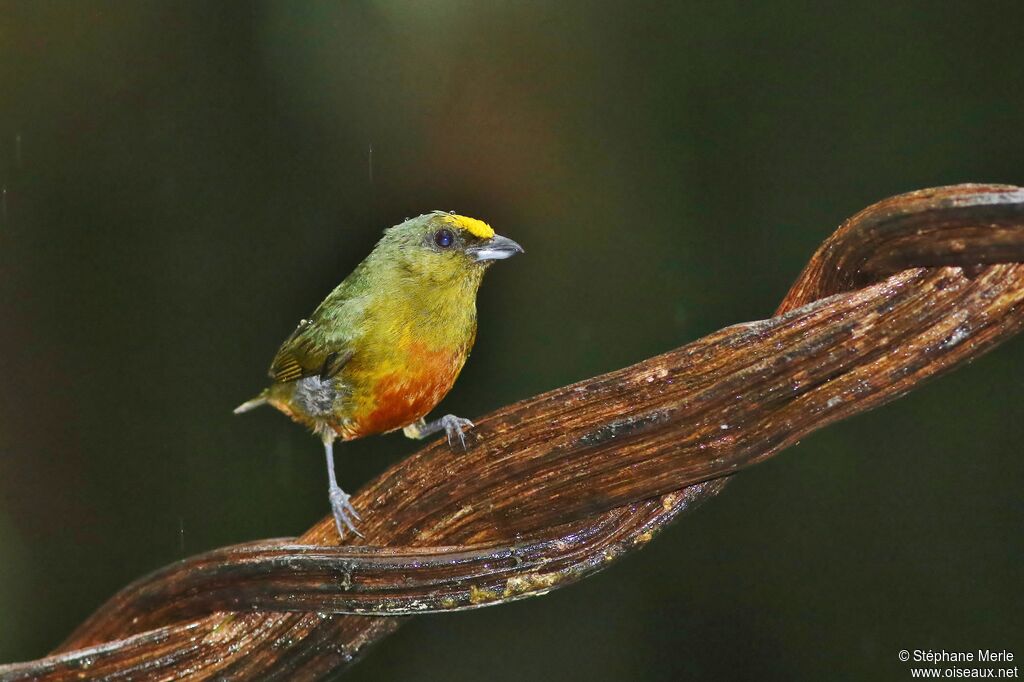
(495, 248)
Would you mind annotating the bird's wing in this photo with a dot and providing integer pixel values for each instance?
(305, 354)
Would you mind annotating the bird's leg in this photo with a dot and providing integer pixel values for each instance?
(343, 510)
(453, 427)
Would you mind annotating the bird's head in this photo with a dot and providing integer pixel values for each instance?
(443, 246)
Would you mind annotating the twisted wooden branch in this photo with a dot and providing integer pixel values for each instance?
(558, 486)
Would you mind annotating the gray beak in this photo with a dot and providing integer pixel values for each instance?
(495, 248)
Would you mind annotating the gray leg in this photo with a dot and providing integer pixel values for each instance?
(343, 510)
(452, 426)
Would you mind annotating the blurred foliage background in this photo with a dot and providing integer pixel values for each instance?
(182, 182)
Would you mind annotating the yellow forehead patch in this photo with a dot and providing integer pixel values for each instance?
(477, 228)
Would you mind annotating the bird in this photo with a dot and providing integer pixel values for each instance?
(387, 344)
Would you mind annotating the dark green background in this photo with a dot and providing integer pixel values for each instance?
(184, 181)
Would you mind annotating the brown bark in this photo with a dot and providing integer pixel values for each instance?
(558, 486)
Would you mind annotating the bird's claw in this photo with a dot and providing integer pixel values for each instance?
(454, 427)
(344, 512)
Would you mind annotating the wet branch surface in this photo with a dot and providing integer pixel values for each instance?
(559, 486)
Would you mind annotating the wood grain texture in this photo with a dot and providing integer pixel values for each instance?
(558, 486)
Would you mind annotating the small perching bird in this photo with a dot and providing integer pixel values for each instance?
(387, 344)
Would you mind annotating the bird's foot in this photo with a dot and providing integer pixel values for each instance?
(345, 515)
(455, 427)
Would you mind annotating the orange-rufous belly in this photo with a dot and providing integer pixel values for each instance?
(399, 398)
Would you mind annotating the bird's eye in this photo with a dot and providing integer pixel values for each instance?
(444, 238)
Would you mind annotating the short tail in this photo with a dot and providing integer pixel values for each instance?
(259, 400)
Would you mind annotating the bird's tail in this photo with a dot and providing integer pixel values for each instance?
(259, 400)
